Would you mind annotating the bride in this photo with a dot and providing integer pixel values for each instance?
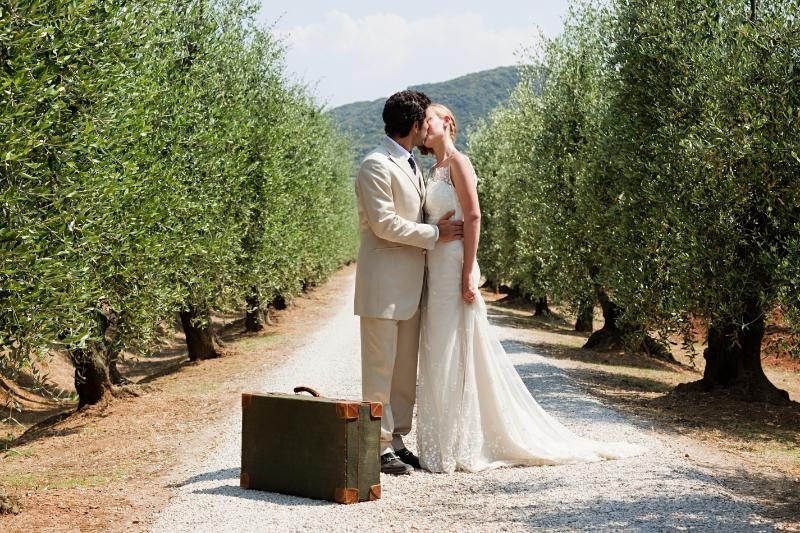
(474, 411)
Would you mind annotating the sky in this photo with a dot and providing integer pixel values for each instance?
(353, 50)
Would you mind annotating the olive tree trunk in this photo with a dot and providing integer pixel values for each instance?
(255, 318)
(733, 361)
(541, 308)
(279, 302)
(585, 320)
(614, 336)
(112, 345)
(92, 379)
(610, 336)
(200, 340)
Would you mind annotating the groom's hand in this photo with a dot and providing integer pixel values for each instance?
(450, 230)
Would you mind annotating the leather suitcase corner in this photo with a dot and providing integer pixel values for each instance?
(376, 409)
(247, 400)
(346, 496)
(374, 492)
(348, 410)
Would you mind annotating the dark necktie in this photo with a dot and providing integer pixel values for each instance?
(412, 164)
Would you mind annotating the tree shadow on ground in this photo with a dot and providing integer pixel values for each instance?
(52, 427)
(526, 306)
(711, 412)
(148, 368)
(37, 410)
(501, 316)
(778, 495)
(174, 358)
(27, 401)
(60, 419)
(646, 512)
(558, 351)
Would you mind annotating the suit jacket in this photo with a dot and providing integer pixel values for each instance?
(391, 258)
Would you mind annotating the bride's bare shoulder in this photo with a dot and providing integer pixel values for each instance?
(461, 164)
(461, 156)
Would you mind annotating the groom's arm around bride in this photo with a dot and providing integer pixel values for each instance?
(374, 190)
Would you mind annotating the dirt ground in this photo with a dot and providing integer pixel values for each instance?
(110, 468)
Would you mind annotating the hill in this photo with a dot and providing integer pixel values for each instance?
(470, 97)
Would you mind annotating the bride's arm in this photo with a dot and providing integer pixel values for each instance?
(462, 175)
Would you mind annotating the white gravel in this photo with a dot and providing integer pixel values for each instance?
(659, 491)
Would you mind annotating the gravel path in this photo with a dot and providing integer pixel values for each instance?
(659, 491)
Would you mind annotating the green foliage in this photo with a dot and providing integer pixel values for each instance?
(704, 122)
(660, 162)
(534, 156)
(154, 157)
(470, 97)
(509, 207)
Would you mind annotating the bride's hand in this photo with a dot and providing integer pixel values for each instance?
(467, 292)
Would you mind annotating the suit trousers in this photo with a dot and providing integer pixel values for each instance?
(389, 355)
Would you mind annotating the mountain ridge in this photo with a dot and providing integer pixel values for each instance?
(470, 97)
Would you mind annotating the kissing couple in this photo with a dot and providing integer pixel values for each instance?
(424, 328)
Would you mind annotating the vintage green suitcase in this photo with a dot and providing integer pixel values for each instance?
(311, 446)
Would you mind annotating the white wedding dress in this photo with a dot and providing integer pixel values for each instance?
(474, 412)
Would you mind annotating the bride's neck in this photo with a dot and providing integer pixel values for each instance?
(444, 150)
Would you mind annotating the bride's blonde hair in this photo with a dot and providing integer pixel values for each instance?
(442, 111)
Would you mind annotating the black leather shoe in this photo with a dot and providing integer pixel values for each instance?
(408, 458)
(391, 464)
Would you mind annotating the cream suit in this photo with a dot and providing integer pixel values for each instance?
(389, 280)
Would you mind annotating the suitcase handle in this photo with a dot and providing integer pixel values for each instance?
(312, 392)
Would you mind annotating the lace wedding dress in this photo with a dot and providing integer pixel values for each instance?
(474, 412)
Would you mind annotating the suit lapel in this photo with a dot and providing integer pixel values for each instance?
(422, 185)
(402, 162)
(406, 168)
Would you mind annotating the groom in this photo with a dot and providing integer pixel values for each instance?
(390, 193)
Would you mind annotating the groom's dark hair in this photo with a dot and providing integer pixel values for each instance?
(402, 110)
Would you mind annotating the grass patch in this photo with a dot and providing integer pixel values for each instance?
(81, 482)
(14, 453)
(259, 341)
